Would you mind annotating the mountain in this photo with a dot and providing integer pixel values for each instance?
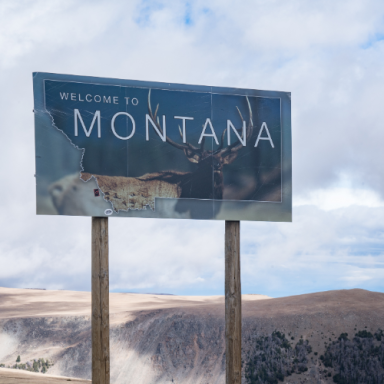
(314, 338)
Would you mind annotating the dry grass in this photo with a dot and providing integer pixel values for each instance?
(14, 376)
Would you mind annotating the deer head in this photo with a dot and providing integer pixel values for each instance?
(223, 156)
(207, 160)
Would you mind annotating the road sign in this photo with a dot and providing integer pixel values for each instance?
(124, 148)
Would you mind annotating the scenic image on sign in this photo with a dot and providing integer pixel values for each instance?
(206, 151)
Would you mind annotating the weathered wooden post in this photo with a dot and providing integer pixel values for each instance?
(232, 302)
(254, 128)
(100, 301)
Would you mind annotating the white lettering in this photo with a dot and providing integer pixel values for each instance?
(73, 96)
(264, 125)
(99, 99)
(80, 98)
(86, 98)
(203, 134)
(183, 118)
(148, 119)
(113, 125)
(126, 100)
(242, 140)
(87, 133)
(64, 96)
(106, 99)
(115, 100)
(135, 101)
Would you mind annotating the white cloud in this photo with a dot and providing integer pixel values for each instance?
(341, 195)
(26, 26)
(328, 54)
(298, 24)
(341, 248)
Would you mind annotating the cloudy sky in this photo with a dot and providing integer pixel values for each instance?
(328, 53)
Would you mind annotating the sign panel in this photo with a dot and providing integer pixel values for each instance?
(124, 148)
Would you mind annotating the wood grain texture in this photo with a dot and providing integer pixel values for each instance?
(100, 302)
(232, 302)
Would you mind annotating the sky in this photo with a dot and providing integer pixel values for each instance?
(328, 54)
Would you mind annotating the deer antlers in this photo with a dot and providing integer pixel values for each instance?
(155, 119)
(195, 154)
(236, 145)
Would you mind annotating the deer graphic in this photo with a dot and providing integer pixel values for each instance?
(198, 183)
(70, 195)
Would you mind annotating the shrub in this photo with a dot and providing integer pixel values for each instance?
(338, 379)
(272, 358)
(364, 334)
(379, 335)
(360, 360)
(35, 366)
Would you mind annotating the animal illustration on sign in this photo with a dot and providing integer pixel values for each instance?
(205, 182)
(198, 184)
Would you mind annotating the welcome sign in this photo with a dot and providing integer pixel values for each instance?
(107, 147)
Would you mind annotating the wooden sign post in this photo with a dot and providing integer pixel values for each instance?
(100, 301)
(84, 132)
(232, 302)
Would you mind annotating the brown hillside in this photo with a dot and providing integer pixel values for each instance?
(160, 338)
